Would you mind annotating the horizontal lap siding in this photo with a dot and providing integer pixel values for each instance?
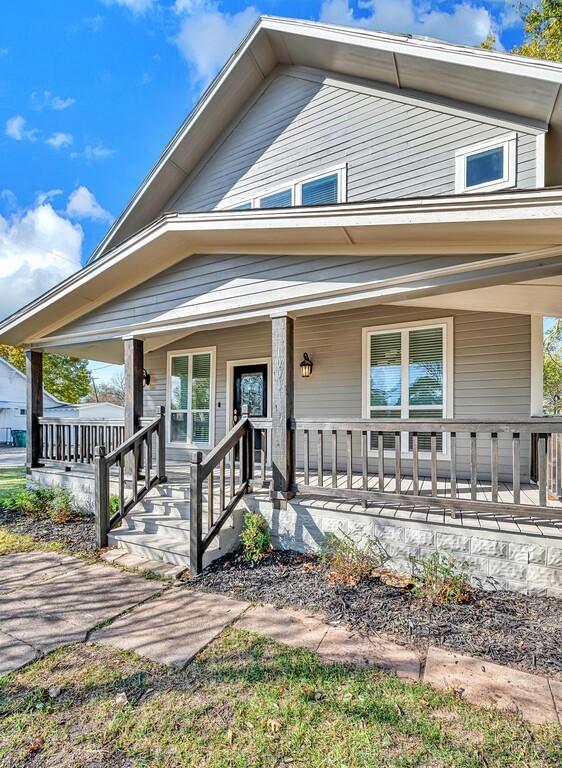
(392, 148)
(491, 369)
(208, 282)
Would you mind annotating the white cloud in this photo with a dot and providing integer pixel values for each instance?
(60, 139)
(93, 152)
(207, 36)
(16, 128)
(462, 22)
(47, 100)
(82, 204)
(135, 6)
(38, 249)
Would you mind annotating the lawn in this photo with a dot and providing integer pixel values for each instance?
(11, 480)
(247, 701)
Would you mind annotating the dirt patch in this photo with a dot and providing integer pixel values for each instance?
(504, 627)
(77, 535)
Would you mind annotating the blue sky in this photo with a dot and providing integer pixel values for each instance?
(92, 90)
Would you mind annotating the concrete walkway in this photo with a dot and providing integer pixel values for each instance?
(48, 600)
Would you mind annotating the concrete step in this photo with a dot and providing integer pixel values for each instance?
(159, 547)
(170, 491)
(162, 505)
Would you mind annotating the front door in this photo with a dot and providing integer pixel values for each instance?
(250, 388)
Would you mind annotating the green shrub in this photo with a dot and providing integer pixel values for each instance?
(441, 580)
(55, 504)
(350, 561)
(255, 537)
(113, 504)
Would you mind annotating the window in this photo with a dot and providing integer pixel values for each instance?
(326, 189)
(22, 411)
(408, 376)
(190, 397)
(486, 166)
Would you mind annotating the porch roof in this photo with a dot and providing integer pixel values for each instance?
(514, 228)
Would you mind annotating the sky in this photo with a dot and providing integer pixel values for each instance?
(92, 90)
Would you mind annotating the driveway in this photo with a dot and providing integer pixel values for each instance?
(12, 457)
(49, 600)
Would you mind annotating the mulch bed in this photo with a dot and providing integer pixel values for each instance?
(78, 535)
(504, 627)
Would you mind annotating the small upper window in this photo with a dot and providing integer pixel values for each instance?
(316, 190)
(486, 166)
(282, 199)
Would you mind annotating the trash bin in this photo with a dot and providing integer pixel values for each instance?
(19, 438)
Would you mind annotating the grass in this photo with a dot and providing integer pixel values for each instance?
(247, 701)
(11, 542)
(11, 481)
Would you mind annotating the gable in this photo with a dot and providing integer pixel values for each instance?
(303, 123)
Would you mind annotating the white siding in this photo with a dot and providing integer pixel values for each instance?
(296, 127)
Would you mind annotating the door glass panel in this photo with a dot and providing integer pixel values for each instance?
(484, 167)
(201, 382)
(179, 383)
(425, 373)
(178, 427)
(385, 379)
(252, 392)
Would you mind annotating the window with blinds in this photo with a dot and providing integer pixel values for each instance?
(283, 199)
(407, 378)
(321, 190)
(190, 388)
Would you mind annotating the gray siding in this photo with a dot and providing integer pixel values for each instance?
(204, 283)
(297, 127)
(491, 366)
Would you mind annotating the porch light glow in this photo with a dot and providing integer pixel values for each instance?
(306, 366)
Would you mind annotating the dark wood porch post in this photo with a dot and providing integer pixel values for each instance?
(134, 362)
(34, 410)
(282, 406)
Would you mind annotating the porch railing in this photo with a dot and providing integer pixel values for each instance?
(233, 460)
(367, 459)
(146, 449)
(73, 441)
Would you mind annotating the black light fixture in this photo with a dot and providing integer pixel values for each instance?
(306, 366)
(146, 377)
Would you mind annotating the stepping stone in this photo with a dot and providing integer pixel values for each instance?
(113, 555)
(556, 690)
(14, 654)
(286, 625)
(173, 628)
(487, 684)
(341, 645)
(28, 568)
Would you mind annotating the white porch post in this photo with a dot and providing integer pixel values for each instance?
(282, 407)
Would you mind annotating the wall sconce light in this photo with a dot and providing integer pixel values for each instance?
(146, 377)
(306, 366)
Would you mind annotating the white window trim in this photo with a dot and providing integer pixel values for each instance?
(182, 353)
(509, 144)
(295, 185)
(448, 377)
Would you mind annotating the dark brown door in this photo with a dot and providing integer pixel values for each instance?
(250, 388)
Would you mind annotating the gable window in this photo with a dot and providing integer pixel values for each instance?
(190, 397)
(325, 189)
(408, 375)
(486, 166)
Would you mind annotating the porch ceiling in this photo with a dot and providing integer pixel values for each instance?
(525, 228)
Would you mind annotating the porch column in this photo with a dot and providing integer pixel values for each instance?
(134, 361)
(282, 407)
(34, 409)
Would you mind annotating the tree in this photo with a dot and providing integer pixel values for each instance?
(543, 30)
(111, 392)
(552, 387)
(489, 43)
(64, 376)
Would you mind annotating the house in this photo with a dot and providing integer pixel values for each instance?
(13, 393)
(328, 295)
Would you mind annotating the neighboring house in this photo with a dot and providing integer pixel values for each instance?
(13, 393)
(385, 206)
